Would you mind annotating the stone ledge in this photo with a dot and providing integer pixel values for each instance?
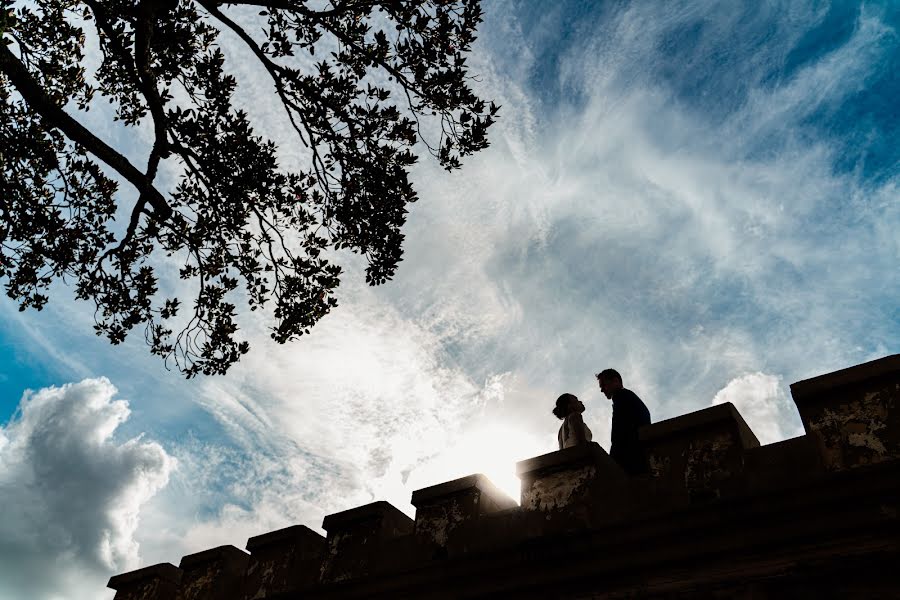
(375, 510)
(296, 533)
(583, 453)
(164, 571)
(785, 464)
(477, 481)
(882, 367)
(227, 553)
(682, 424)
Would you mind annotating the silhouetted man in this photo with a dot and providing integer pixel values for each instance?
(629, 414)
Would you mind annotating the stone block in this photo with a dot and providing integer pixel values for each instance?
(786, 464)
(442, 508)
(157, 582)
(579, 482)
(214, 574)
(285, 560)
(699, 456)
(853, 413)
(356, 536)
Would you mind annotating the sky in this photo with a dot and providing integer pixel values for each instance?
(701, 195)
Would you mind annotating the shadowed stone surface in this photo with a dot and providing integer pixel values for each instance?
(699, 456)
(213, 574)
(355, 537)
(286, 559)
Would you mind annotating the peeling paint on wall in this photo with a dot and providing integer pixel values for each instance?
(854, 433)
(556, 490)
(442, 520)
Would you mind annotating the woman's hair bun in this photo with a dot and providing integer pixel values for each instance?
(562, 405)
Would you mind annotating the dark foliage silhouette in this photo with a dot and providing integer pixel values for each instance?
(234, 219)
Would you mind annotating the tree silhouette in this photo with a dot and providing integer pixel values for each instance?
(235, 218)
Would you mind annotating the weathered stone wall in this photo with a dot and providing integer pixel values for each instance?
(718, 516)
(852, 414)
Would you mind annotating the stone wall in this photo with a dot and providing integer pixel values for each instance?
(718, 516)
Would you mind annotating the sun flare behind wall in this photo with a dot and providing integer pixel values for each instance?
(491, 449)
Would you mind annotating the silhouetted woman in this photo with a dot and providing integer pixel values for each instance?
(573, 431)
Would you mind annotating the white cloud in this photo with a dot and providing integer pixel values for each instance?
(72, 494)
(761, 400)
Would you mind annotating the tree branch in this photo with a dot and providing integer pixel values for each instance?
(275, 72)
(142, 37)
(54, 115)
(335, 12)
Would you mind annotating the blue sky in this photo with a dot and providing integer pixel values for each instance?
(701, 196)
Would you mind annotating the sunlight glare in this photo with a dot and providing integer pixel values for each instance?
(492, 450)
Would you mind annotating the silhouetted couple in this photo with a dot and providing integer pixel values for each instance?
(629, 415)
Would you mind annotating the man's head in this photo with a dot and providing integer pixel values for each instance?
(610, 382)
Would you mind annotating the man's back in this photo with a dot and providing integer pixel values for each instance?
(629, 414)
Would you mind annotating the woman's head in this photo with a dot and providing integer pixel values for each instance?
(566, 405)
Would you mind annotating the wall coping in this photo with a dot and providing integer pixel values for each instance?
(806, 389)
(373, 510)
(227, 552)
(590, 453)
(165, 571)
(477, 481)
(299, 533)
(682, 424)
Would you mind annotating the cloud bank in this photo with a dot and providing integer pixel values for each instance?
(761, 400)
(71, 493)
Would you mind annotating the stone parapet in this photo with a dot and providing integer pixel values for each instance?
(718, 515)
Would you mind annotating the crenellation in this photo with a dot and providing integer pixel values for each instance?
(282, 560)
(852, 413)
(571, 487)
(355, 536)
(718, 515)
(441, 509)
(699, 456)
(213, 574)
